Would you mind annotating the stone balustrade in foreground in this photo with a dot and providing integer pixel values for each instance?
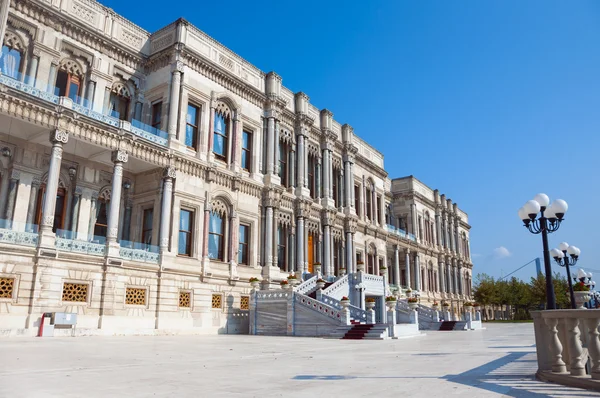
(568, 347)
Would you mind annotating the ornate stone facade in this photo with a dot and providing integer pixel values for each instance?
(144, 180)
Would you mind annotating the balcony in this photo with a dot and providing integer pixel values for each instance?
(136, 251)
(66, 241)
(401, 233)
(29, 85)
(16, 233)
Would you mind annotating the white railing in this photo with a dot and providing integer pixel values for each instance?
(374, 284)
(307, 286)
(428, 312)
(319, 307)
(338, 289)
(80, 246)
(567, 341)
(139, 255)
(356, 313)
(18, 238)
(273, 295)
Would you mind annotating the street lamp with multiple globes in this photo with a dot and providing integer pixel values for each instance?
(547, 221)
(560, 256)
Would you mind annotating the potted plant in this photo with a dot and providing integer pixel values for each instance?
(407, 292)
(468, 306)
(285, 284)
(413, 303)
(342, 271)
(317, 268)
(344, 302)
(390, 302)
(254, 282)
(320, 283)
(445, 306)
(293, 280)
(477, 306)
(382, 270)
(360, 265)
(435, 305)
(582, 294)
(370, 303)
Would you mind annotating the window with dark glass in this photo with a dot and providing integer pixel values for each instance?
(368, 202)
(283, 167)
(186, 224)
(68, 85)
(282, 248)
(220, 137)
(119, 106)
(191, 127)
(147, 226)
(101, 226)
(357, 200)
(157, 115)
(378, 203)
(334, 184)
(243, 252)
(246, 150)
(311, 176)
(216, 236)
(11, 62)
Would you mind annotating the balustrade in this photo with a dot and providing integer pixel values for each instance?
(338, 289)
(307, 286)
(568, 346)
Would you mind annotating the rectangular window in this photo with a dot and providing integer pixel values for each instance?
(191, 126)
(186, 224)
(357, 200)
(334, 185)
(244, 244)
(283, 157)
(101, 226)
(216, 236)
(147, 226)
(157, 115)
(220, 137)
(368, 202)
(246, 150)
(378, 209)
(281, 248)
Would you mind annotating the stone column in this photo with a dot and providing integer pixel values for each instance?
(91, 89)
(276, 148)
(301, 183)
(460, 279)
(417, 272)
(211, 127)
(300, 244)
(397, 265)
(58, 138)
(349, 184)
(455, 271)
(438, 228)
(441, 273)
(275, 237)
(174, 99)
(32, 68)
(4, 7)
(270, 143)
(118, 157)
(326, 193)
(233, 245)
(317, 176)
(451, 234)
(268, 257)
(445, 230)
(33, 197)
(413, 216)
(169, 174)
(292, 168)
(407, 265)
(12, 195)
(448, 265)
(327, 266)
(75, 211)
(52, 76)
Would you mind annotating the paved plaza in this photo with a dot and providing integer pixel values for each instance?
(499, 361)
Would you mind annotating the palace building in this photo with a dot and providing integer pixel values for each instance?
(146, 177)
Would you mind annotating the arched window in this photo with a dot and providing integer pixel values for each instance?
(12, 59)
(216, 236)
(221, 132)
(69, 80)
(371, 260)
(120, 98)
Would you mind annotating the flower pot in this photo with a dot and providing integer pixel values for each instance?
(320, 285)
(342, 271)
(370, 305)
(345, 303)
(391, 305)
(478, 308)
(360, 267)
(435, 307)
(293, 282)
(468, 308)
(255, 284)
(581, 298)
(382, 271)
(413, 306)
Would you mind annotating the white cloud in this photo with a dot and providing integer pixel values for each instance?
(475, 255)
(502, 252)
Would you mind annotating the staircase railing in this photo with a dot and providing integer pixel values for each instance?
(338, 289)
(319, 307)
(307, 286)
(374, 284)
(356, 313)
(429, 312)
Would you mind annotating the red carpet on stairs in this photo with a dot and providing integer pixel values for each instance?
(357, 332)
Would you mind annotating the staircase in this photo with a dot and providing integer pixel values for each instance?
(313, 294)
(366, 332)
(449, 325)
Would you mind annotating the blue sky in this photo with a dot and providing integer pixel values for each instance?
(490, 102)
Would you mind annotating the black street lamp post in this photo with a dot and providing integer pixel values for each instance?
(561, 256)
(541, 217)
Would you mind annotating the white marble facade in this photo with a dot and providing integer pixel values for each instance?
(146, 177)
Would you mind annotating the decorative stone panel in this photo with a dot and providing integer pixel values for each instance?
(7, 286)
(135, 296)
(217, 301)
(245, 303)
(75, 292)
(185, 299)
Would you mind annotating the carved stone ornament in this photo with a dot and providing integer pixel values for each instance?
(302, 208)
(48, 220)
(169, 172)
(113, 232)
(328, 217)
(271, 198)
(15, 175)
(59, 136)
(119, 156)
(164, 242)
(351, 225)
(178, 67)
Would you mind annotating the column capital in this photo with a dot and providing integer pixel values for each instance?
(271, 114)
(59, 137)
(119, 156)
(407, 251)
(169, 172)
(15, 174)
(36, 182)
(178, 67)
